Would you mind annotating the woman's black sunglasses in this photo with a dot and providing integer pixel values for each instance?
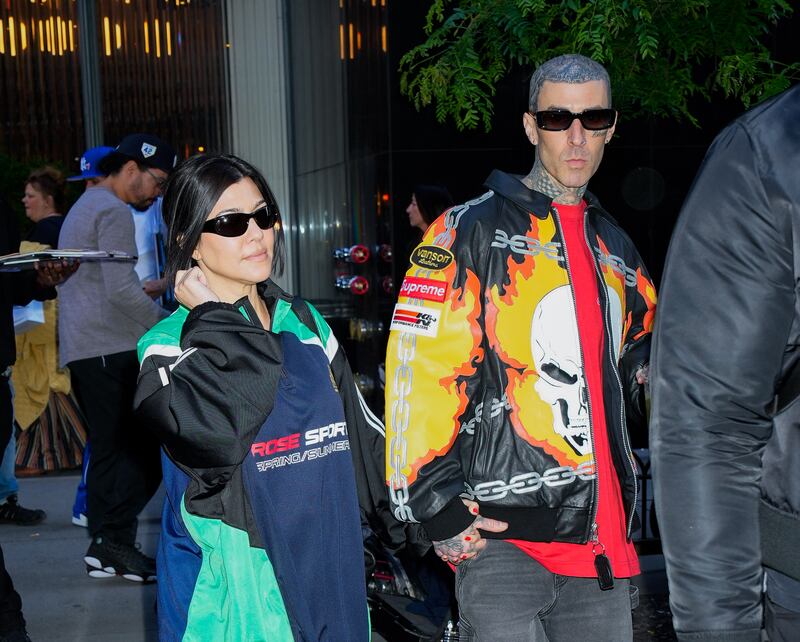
(235, 223)
(556, 120)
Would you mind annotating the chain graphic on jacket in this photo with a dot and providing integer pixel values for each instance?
(616, 264)
(531, 482)
(403, 378)
(521, 244)
(497, 406)
(398, 448)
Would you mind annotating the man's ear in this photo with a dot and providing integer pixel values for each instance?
(531, 131)
(130, 167)
(610, 132)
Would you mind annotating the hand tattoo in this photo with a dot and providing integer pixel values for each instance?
(468, 543)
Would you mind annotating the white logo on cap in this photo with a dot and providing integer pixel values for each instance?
(148, 150)
(85, 165)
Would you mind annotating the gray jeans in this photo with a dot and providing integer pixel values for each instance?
(504, 594)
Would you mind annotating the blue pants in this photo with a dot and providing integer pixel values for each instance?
(8, 477)
(503, 593)
(79, 507)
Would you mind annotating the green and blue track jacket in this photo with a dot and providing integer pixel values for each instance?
(272, 462)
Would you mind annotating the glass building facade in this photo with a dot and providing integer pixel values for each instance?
(119, 65)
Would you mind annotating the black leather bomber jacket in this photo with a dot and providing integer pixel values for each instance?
(485, 391)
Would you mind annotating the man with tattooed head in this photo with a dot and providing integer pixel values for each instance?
(515, 367)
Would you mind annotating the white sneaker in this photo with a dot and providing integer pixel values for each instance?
(80, 520)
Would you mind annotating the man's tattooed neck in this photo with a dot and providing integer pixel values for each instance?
(541, 181)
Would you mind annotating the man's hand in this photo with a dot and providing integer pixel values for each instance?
(643, 375)
(155, 288)
(468, 543)
(191, 288)
(52, 273)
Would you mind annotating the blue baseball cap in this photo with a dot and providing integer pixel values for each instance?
(90, 163)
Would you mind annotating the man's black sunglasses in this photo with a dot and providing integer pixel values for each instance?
(235, 223)
(556, 120)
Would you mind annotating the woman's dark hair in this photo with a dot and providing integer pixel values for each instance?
(191, 192)
(432, 200)
(50, 182)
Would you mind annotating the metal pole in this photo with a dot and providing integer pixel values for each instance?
(89, 46)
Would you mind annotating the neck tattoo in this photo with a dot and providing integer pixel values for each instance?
(539, 179)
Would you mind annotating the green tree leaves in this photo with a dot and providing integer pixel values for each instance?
(659, 53)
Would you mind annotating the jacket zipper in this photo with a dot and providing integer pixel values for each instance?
(591, 526)
(622, 421)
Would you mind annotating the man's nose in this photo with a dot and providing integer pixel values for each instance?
(577, 134)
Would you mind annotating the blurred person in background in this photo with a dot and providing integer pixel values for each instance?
(90, 173)
(53, 430)
(43, 201)
(150, 231)
(90, 166)
(150, 234)
(104, 312)
(427, 203)
(17, 288)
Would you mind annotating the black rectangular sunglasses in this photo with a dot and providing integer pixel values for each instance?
(235, 223)
(556, 120)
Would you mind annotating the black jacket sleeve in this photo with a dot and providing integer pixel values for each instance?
(217, 422)
(726, 310)
(367, 446)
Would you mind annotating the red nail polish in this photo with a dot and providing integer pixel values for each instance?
(467, 538)
(474, 510)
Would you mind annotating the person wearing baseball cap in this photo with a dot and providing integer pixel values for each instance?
(90, 165)
(101, 317)
(142, 163)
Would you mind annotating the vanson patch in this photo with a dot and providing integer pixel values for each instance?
(415, 319)
(415, 287)
(431, 257)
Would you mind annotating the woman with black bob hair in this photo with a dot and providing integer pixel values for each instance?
(195, 187)
(268, 451)
(427, 204)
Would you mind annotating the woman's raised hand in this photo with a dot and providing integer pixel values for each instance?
(191, 288)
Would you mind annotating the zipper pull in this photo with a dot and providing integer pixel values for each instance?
(602, 565)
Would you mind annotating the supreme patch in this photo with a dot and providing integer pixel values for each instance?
(415, 287)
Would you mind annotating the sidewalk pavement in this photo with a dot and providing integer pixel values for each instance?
(61, 602)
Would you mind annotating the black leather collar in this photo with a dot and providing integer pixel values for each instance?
(510, 186)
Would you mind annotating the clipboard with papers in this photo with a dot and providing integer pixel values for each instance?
(28, 260)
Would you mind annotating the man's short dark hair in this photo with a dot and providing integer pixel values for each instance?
(569, 68)
(113, 163)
